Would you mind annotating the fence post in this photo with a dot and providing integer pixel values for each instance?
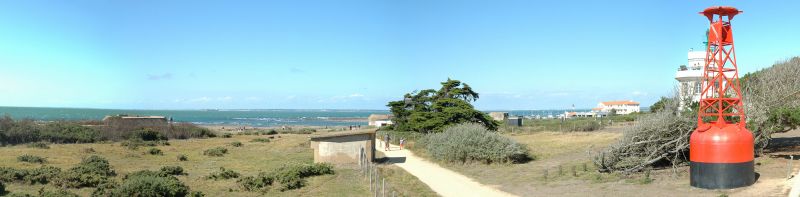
(370, 179)
(383, 187)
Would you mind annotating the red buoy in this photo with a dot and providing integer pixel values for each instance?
(721, 148)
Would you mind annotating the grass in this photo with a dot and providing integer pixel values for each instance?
(247, 160)
(403, 183)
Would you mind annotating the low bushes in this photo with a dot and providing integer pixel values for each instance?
(183, 157)
(301, 131)
(260, 140)
(41, 175)
(470, 142)
(56, 193)
(188, 130)
(227, 135)
(223, 174)
(41, 145)
(216, 152)
(31, 159)
(26, 131)
(236, 144)
(145, 183)
(135, 143)
(92, 171)
(2, 188)
(284, 178)
(173, 170)
(155, 151)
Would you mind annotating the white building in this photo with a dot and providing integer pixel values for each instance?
(689, 77)
(620, 107)
(380, 120)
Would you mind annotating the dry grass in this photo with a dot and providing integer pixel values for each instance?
(248, 160)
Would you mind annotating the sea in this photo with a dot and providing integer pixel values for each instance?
(241, 117)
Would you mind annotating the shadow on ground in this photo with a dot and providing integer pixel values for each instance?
(391, 160)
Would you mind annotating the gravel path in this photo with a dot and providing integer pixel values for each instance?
(442, 181)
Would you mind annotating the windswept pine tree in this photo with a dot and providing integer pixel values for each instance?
(430, 110)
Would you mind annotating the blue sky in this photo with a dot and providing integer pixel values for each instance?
(361, 54)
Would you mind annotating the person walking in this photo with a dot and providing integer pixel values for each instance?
(402, 142)
(386, 142)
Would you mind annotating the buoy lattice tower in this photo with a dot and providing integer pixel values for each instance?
(721, 148)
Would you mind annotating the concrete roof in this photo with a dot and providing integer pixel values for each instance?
(374, 117)
(341, 133)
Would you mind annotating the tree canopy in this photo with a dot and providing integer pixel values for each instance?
(430, 110)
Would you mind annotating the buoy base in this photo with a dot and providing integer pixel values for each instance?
(721, 175)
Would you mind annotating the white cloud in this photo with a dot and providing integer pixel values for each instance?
(225, 98)
(200, 99)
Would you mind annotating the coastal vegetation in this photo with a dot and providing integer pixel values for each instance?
(65, 132)
(430, 111)
(471, 142)
(114, 170)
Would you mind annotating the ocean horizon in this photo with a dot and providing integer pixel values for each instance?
(240, 117)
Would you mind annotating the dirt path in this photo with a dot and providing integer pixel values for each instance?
(443, 181)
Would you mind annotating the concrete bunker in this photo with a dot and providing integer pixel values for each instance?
(343, 148)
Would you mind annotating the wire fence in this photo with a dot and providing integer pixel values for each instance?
(377, 181)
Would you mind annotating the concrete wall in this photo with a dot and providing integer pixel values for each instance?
(343, 149)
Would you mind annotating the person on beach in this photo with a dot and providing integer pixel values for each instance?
(386, 142)
(402, 142)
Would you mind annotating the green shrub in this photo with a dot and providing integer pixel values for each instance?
(155, 151)
(216, 152)
(41, 175)
(227, 135)
(41, 145)
(223, 174)
(271, 132)
(261, 182)
(56, 193)
(188, 130)
(2, 188)
(147, 183)
(68, 132)
(182, 157)
(31, 159)
(148, 134)
(135, 143)
(288, 177)
(173, 170)
(92, 171)
(8, 174)
(470, 142)
(236, 144)
(260, 140)
(197, 194)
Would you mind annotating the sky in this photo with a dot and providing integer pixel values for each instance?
(298, 54)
